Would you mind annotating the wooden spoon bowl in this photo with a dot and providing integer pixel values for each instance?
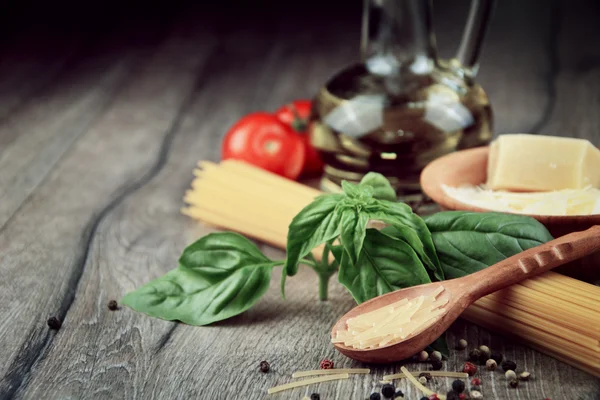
(469, 167)
(462, 292)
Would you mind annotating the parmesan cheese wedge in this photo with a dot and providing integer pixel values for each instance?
(522, 162)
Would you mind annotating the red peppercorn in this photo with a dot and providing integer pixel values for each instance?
(326, 364)
(434, 397)
(475, 381)
(462, 396)
(470, 368)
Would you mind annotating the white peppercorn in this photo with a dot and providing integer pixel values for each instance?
(436, 355)
(423, 356)
(462, 344)
(491, 365)
(476, 394)
(524, 376)
(510, 375)
(422, 380)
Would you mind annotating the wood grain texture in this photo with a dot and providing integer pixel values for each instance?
(92, 181)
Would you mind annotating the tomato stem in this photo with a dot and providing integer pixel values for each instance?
(299, 124)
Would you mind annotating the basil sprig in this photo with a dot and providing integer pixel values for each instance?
(224, 274)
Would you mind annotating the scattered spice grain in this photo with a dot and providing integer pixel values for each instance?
(264, 367)
(113, 305)
(54, 323)
(470, 368)
(462, 344)
(491, 365)
(474, 355)
(509, 365)
(388, 390)
(326, 364)
(458, 386)
(524, 376)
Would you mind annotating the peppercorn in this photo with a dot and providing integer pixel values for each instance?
(524, 376)
(462, 344)
(113, 305)
(491, 365)
(326, 364)
(424, 398)
(399, 394)
(475, 394)
(422, 380)
(510, 375)
(497, 357)
(474, 355)
(458, 386)
(54, 323)
(375, 396)
(484, 355)
(436, 365)
(470, 368)
(264, 367)
(423, 356)
(475, 381)
(388, 390)
(434, 396)
(513, 383)
(509, 365)
(436, 355)
(462, 396)
(426, 375)
(315, 396)
(452, 395)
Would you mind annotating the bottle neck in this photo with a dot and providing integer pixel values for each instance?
(397, 35)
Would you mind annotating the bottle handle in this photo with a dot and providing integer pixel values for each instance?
(469, 49)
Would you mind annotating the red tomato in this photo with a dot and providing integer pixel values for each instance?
(295, 115)
(261, 139)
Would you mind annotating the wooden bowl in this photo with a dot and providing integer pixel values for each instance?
(470, 167)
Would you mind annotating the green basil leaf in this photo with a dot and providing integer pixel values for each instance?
(358, 192)
(382, 189)
(467, 242)
(315, 224)
(385, 264)
(220, 276)
(412, 229)
(353, 229)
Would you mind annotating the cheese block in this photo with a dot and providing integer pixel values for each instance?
(522, 162)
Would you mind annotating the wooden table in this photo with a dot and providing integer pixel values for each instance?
(102, 119)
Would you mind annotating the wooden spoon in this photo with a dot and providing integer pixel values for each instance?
(462, 292)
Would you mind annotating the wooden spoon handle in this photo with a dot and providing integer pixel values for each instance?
(535, 261)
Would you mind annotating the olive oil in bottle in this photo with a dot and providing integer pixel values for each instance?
(401, 107)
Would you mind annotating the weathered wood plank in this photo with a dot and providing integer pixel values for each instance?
(57, 221)
(35, 135)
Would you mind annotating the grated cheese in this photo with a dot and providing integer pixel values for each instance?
(392, 323)
(422, 388)
(560, 202)
(302, 374)
(306, 382)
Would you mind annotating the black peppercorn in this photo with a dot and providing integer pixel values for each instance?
(474, 355)
(54, 323)
(436, 365)
(513, 383)
(375, 396)
(509, 365)
(315, 396)
(113, 305)
(426, 375)
(424, 398)
(452, 395)
(264, 367)
(458, 386)
(398, 394)
(388, 390)
(497, 357)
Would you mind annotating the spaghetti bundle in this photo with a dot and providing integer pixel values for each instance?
(555, 314)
